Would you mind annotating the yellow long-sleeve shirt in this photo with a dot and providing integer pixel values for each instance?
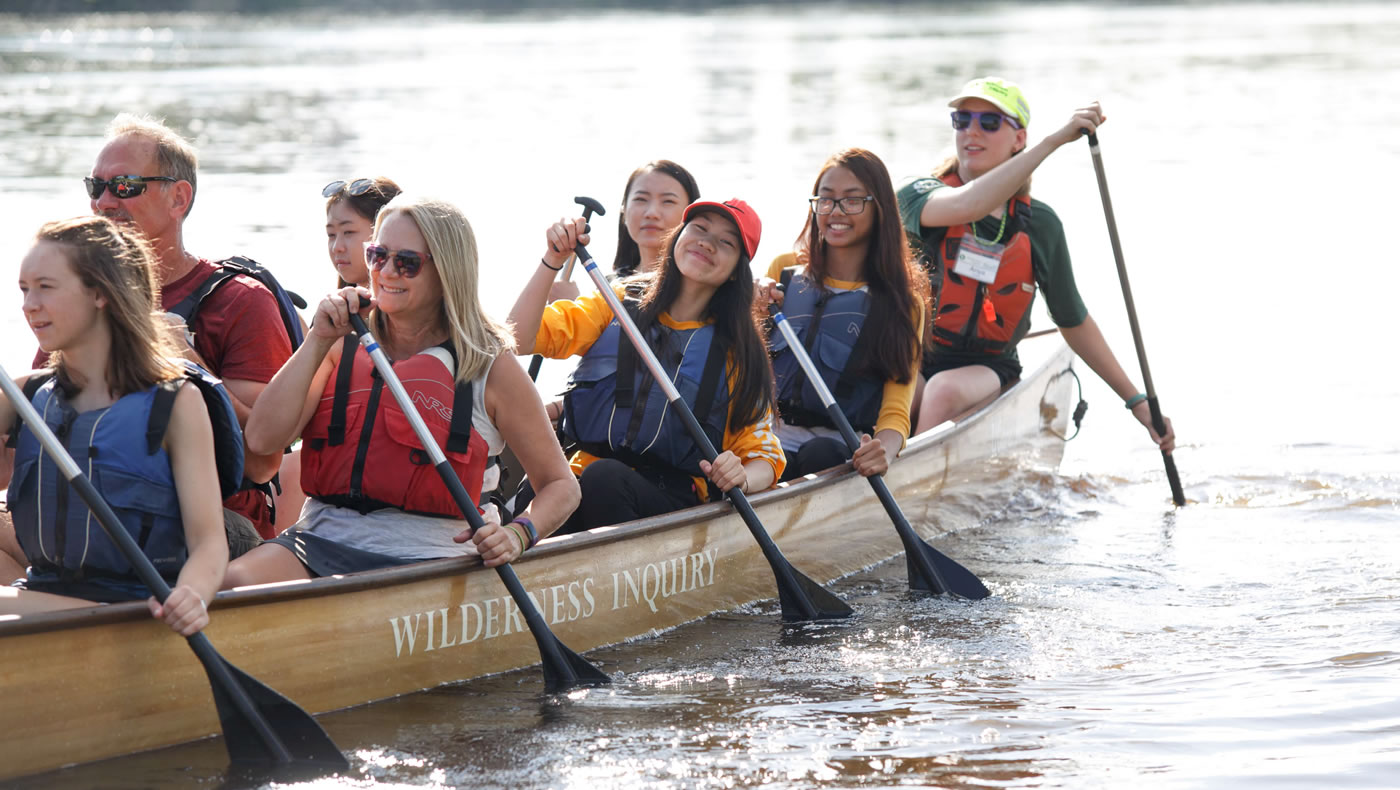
(570, 328)
(897, 397)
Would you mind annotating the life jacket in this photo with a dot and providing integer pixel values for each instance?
(972, 315)
(600, 406)
(119, 449)
(829, 323)
(359, 425)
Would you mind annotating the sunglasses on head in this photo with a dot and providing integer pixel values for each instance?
(989, 121)
(356, 188)
(122, 187)
(408, 262)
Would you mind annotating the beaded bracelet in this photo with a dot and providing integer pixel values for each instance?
(1133, 401)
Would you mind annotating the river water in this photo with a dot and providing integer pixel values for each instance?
(1249, 639)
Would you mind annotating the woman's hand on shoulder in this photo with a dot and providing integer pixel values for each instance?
(332, 319)
(726, 472)
(766, 292)
(184, 611)
(1085, 120)
(496, 544)
(562, 237)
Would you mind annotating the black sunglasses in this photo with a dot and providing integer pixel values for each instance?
(408, 262)
(357, 187)
(989, 121)
(122, 187)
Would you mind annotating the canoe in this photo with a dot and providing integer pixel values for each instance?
(93, 683)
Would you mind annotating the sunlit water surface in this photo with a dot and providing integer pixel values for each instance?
(1247, 640)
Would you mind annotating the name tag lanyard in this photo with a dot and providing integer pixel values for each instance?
(980, 259)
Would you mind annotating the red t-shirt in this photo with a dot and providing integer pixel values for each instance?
(239, 333)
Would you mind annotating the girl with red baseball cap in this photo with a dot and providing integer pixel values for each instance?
(633, 453)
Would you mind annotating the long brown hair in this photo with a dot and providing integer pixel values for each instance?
(896, 284)
(736, 329)
(628, 258)
(119, 264)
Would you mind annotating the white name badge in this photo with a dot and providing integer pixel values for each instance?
(978, 260)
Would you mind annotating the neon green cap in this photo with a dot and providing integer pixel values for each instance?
(1006, 95)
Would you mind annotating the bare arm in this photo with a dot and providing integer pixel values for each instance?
(256, 467)
(972, 201)
(190, 443)
(525, 315)
(1088, 342)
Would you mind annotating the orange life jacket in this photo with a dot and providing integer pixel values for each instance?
(977, 316)
(358, 425)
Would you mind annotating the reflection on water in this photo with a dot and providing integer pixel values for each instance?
(1246, 640)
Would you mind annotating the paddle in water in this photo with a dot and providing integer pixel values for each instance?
(259, 725)
(801, 598)
(563, 668)
(1158, 424)
(929, 569)
(590, 207)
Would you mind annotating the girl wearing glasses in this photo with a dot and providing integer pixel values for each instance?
(635, 456)
(89, 296)
(988, 257)
(373, 498)
(853, 294)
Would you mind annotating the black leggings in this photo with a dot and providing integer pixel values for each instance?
(613, 492)
(815, 455)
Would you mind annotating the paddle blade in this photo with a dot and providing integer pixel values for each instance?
(960, 580)
(804, 599)
(575, 672)
(299, 733)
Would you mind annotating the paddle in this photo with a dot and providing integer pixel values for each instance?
(929, 569)
(801, 598)
(563, 669)
(590, 206)
(1158, 424)
(260, 725)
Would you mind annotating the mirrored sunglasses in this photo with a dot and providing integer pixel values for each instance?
(989, 121)
(121, 187)
(408, 262)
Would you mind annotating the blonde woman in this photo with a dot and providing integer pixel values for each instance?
(89, 295)
(374, 500)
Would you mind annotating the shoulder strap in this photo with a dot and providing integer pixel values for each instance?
(785, 277)
(459, 432)
(31, 386)
(188, 307)
(335, 432)
(159, 421)
(625, 393)
(709, 380)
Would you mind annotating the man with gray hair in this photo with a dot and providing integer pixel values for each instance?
(145, 175)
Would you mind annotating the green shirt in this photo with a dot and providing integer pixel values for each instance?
(1049, 256)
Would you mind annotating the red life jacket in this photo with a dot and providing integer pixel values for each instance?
(359, 425)
(976, 316)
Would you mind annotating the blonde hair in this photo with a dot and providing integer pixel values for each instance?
(477, 338)
(117, 263)
(175, 157)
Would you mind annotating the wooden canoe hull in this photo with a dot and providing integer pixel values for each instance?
(88, 684)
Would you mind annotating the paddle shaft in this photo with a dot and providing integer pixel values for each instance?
(590, 206)
(1158, 424)
(788, 584)
(551, 651)
(910, 538)
(214, 663)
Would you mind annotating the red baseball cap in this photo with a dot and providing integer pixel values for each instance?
(737, 210)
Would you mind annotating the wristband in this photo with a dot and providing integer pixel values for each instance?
(530, 528)
(551, 268)
(1133, 401)
(518, 536)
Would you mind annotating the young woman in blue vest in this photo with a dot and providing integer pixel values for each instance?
(854, 295)
(635, 456)
(987, 262)
(89, 296)
(374, 498)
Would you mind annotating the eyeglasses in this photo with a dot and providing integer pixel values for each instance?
(357, 187)
(122, 187)
(408, 262)
(849, 205)
(989, 121)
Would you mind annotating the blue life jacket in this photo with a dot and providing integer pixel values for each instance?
(600, 412)
(119, 448)
(829, 324)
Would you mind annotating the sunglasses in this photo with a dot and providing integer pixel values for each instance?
(989, 121)
(849, 205)
(408, 262)
(357, 187)
(122, 187)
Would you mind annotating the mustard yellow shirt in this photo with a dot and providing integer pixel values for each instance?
(570, 328)
(896, 400)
